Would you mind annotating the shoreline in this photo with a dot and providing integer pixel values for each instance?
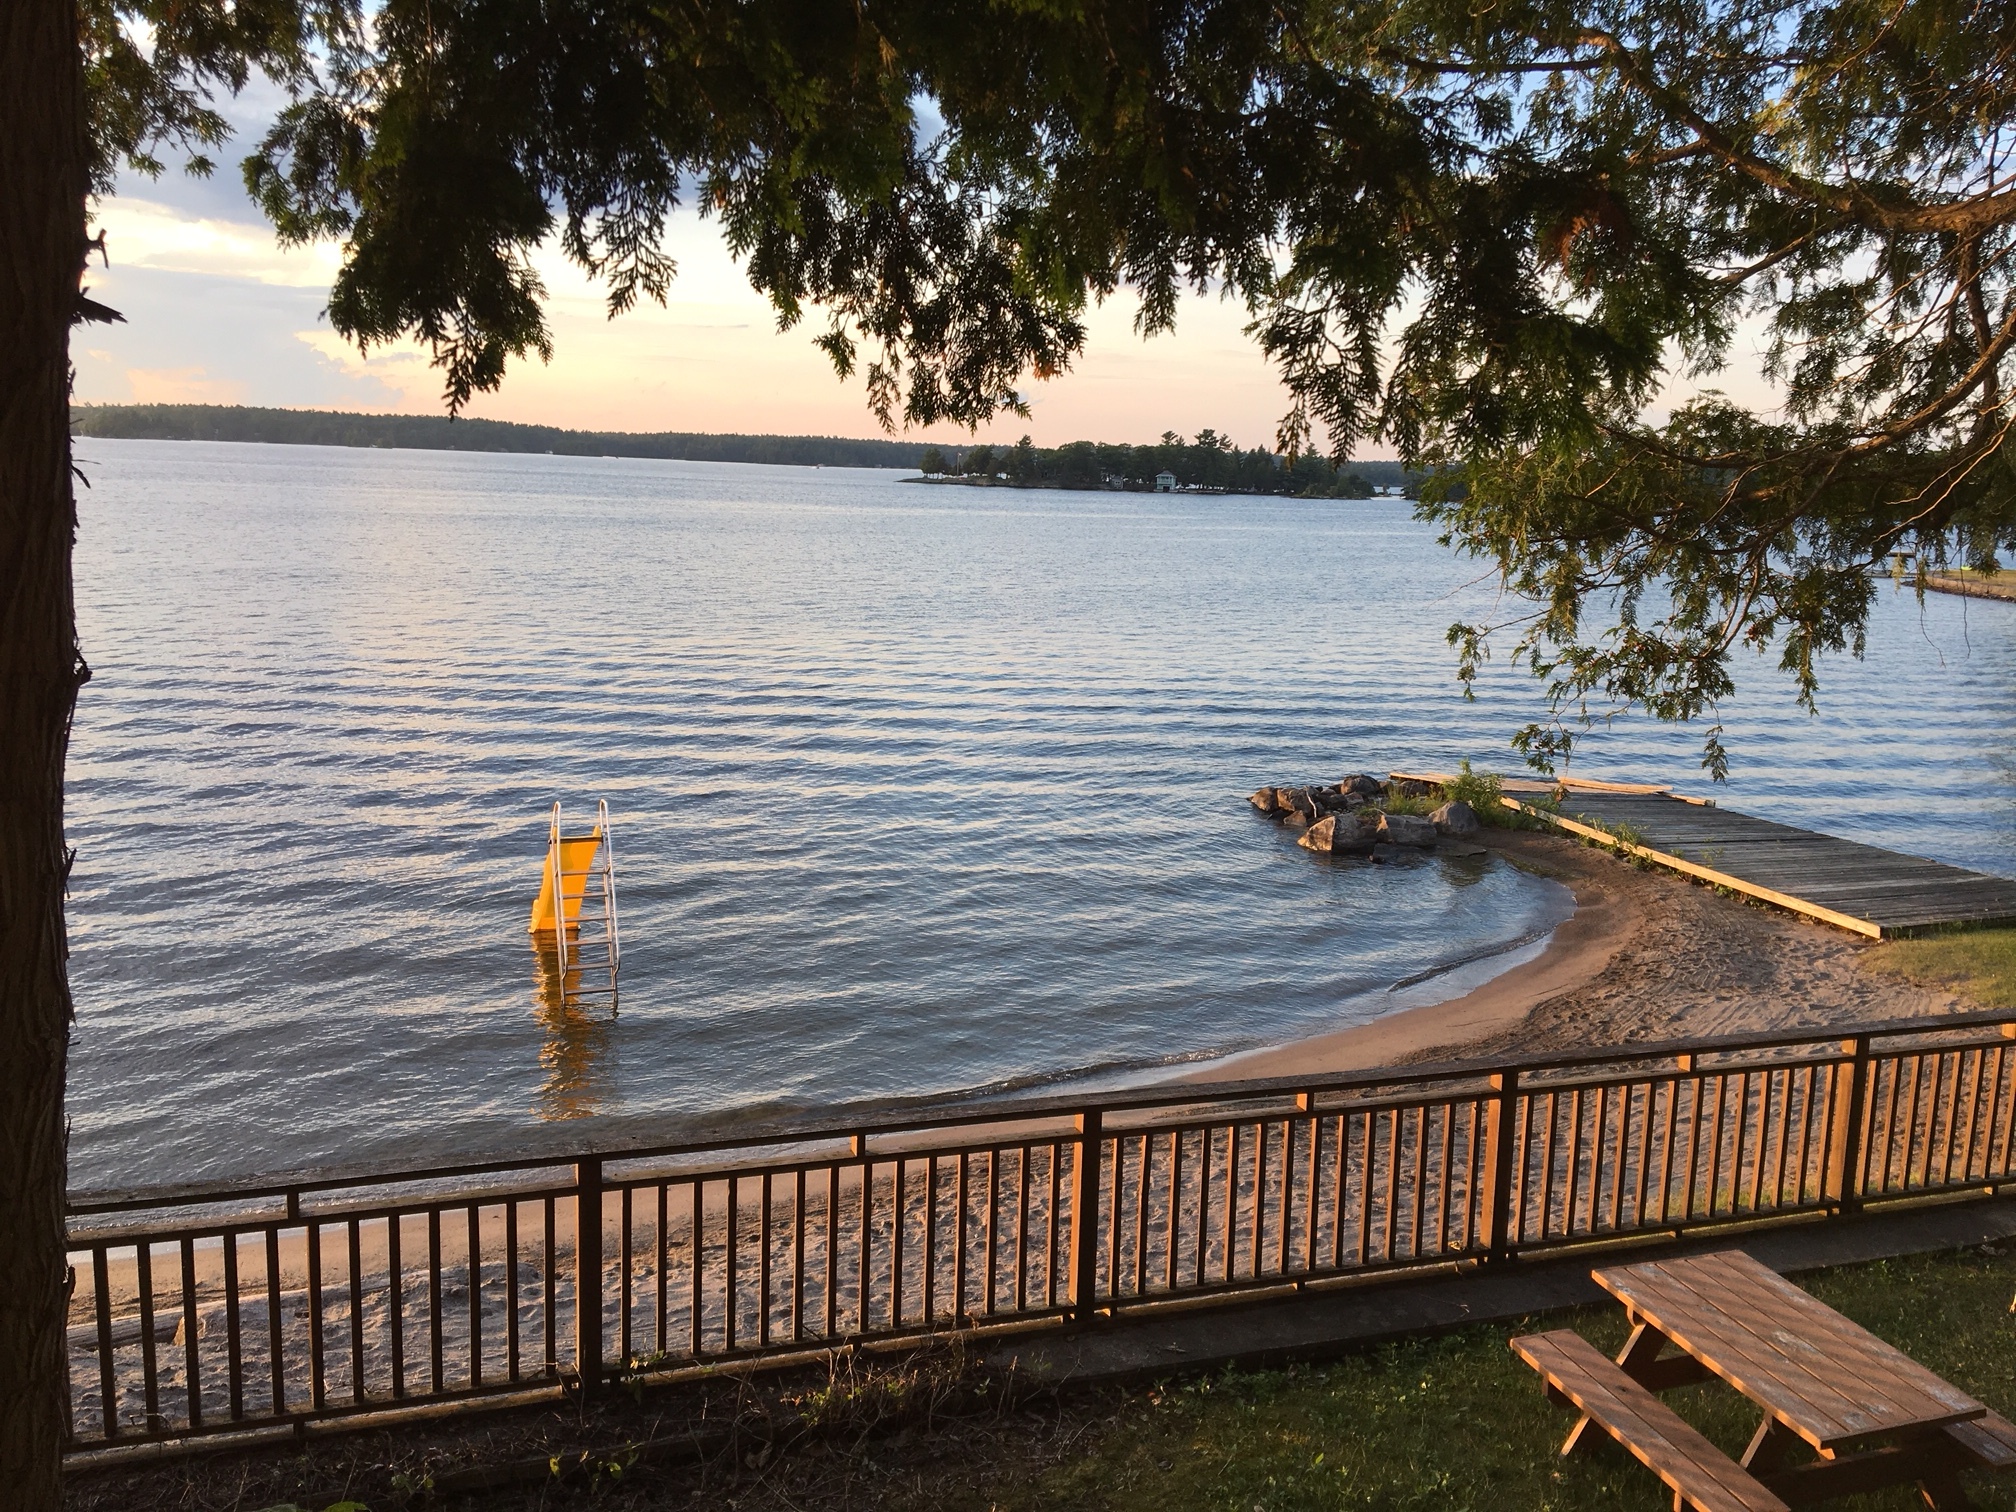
(1647, 955)
(1574, 953)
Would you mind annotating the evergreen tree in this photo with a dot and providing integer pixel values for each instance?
(1489, 236)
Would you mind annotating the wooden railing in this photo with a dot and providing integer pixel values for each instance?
(339, 1295)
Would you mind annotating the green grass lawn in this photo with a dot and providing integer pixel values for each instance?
(1976, 963)
(1459, 1423)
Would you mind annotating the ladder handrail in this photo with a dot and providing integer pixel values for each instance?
(554, 867)
(609, 885)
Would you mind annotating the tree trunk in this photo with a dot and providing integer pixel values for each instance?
(43, 182)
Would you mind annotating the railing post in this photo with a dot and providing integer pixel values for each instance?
(588, 1274)
(1848, 1111)
(1499, 1138)
(1085, 1214)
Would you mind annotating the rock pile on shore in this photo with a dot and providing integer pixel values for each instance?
(1352, 818)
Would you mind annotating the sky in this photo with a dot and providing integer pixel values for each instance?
(216, 313)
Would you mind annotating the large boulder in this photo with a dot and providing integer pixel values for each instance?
(1456, 818)
(1340, 835)
(1406, 829)
(1363, 788)
(1263, 800)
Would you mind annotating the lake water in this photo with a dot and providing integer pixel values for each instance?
(916, 790)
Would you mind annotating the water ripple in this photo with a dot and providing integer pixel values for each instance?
(917, 790)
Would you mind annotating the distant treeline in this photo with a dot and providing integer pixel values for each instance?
(227, 422)
(1210, 461)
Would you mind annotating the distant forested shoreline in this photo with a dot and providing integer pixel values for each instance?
(1207, 462)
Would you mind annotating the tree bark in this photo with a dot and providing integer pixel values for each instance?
(43, 185)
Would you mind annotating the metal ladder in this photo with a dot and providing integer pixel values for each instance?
(596, 943)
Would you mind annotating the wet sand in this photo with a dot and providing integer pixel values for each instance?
(1647, 956)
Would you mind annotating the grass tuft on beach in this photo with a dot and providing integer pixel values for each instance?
(1977, 963)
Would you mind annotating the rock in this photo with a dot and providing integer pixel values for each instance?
(1456, 818)
(1263, 800)
(1340, 835)
(1406, 829)
(1296, 803)
(1461, 848)
(1365, 788)
(1408, 787)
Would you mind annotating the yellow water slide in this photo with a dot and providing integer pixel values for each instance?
(574, 916)
(570, 860)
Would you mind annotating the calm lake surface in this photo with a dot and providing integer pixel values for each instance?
(916, 790)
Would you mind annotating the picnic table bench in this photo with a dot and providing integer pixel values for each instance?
(1870, 1415)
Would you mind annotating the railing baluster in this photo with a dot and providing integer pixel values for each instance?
(729, 1290)
(108, 1367)
(1114, 1228)
(1741, 1129)
(396, 1305)
(1848, 1099)
(798, 1260)
(475, 1297)
(434, 1320)
(352, 1233)
(318, 1389)
(663, 1245)
(1023, 1258)
(1052, 1230)
(2002, 1115)
(1084, 1251)
(898, 1198)
(550, 1293)
(274, 1320)
(150, 1379)
(192, 1322)
(929, 1315)
(991, 1231)
(832, 1251)
(763, 1269)
(696, 1237)
(514, 1361)
(865, 1245)
(626, 1262)
(588, 1275)
(234, 1350)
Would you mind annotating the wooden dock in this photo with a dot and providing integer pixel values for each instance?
(1875, 892)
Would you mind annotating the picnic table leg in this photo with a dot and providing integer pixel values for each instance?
(1944, 1493)
(1640, 1350)
(1768, 1446)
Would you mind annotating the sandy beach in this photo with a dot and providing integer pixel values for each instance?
(1646, 956)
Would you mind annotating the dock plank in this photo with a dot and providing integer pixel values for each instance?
(1873, 891)
(1877, 892)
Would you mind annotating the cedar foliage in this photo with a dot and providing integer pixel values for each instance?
(1488, 237)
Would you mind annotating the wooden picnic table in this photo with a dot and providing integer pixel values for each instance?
(1872, 1415)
